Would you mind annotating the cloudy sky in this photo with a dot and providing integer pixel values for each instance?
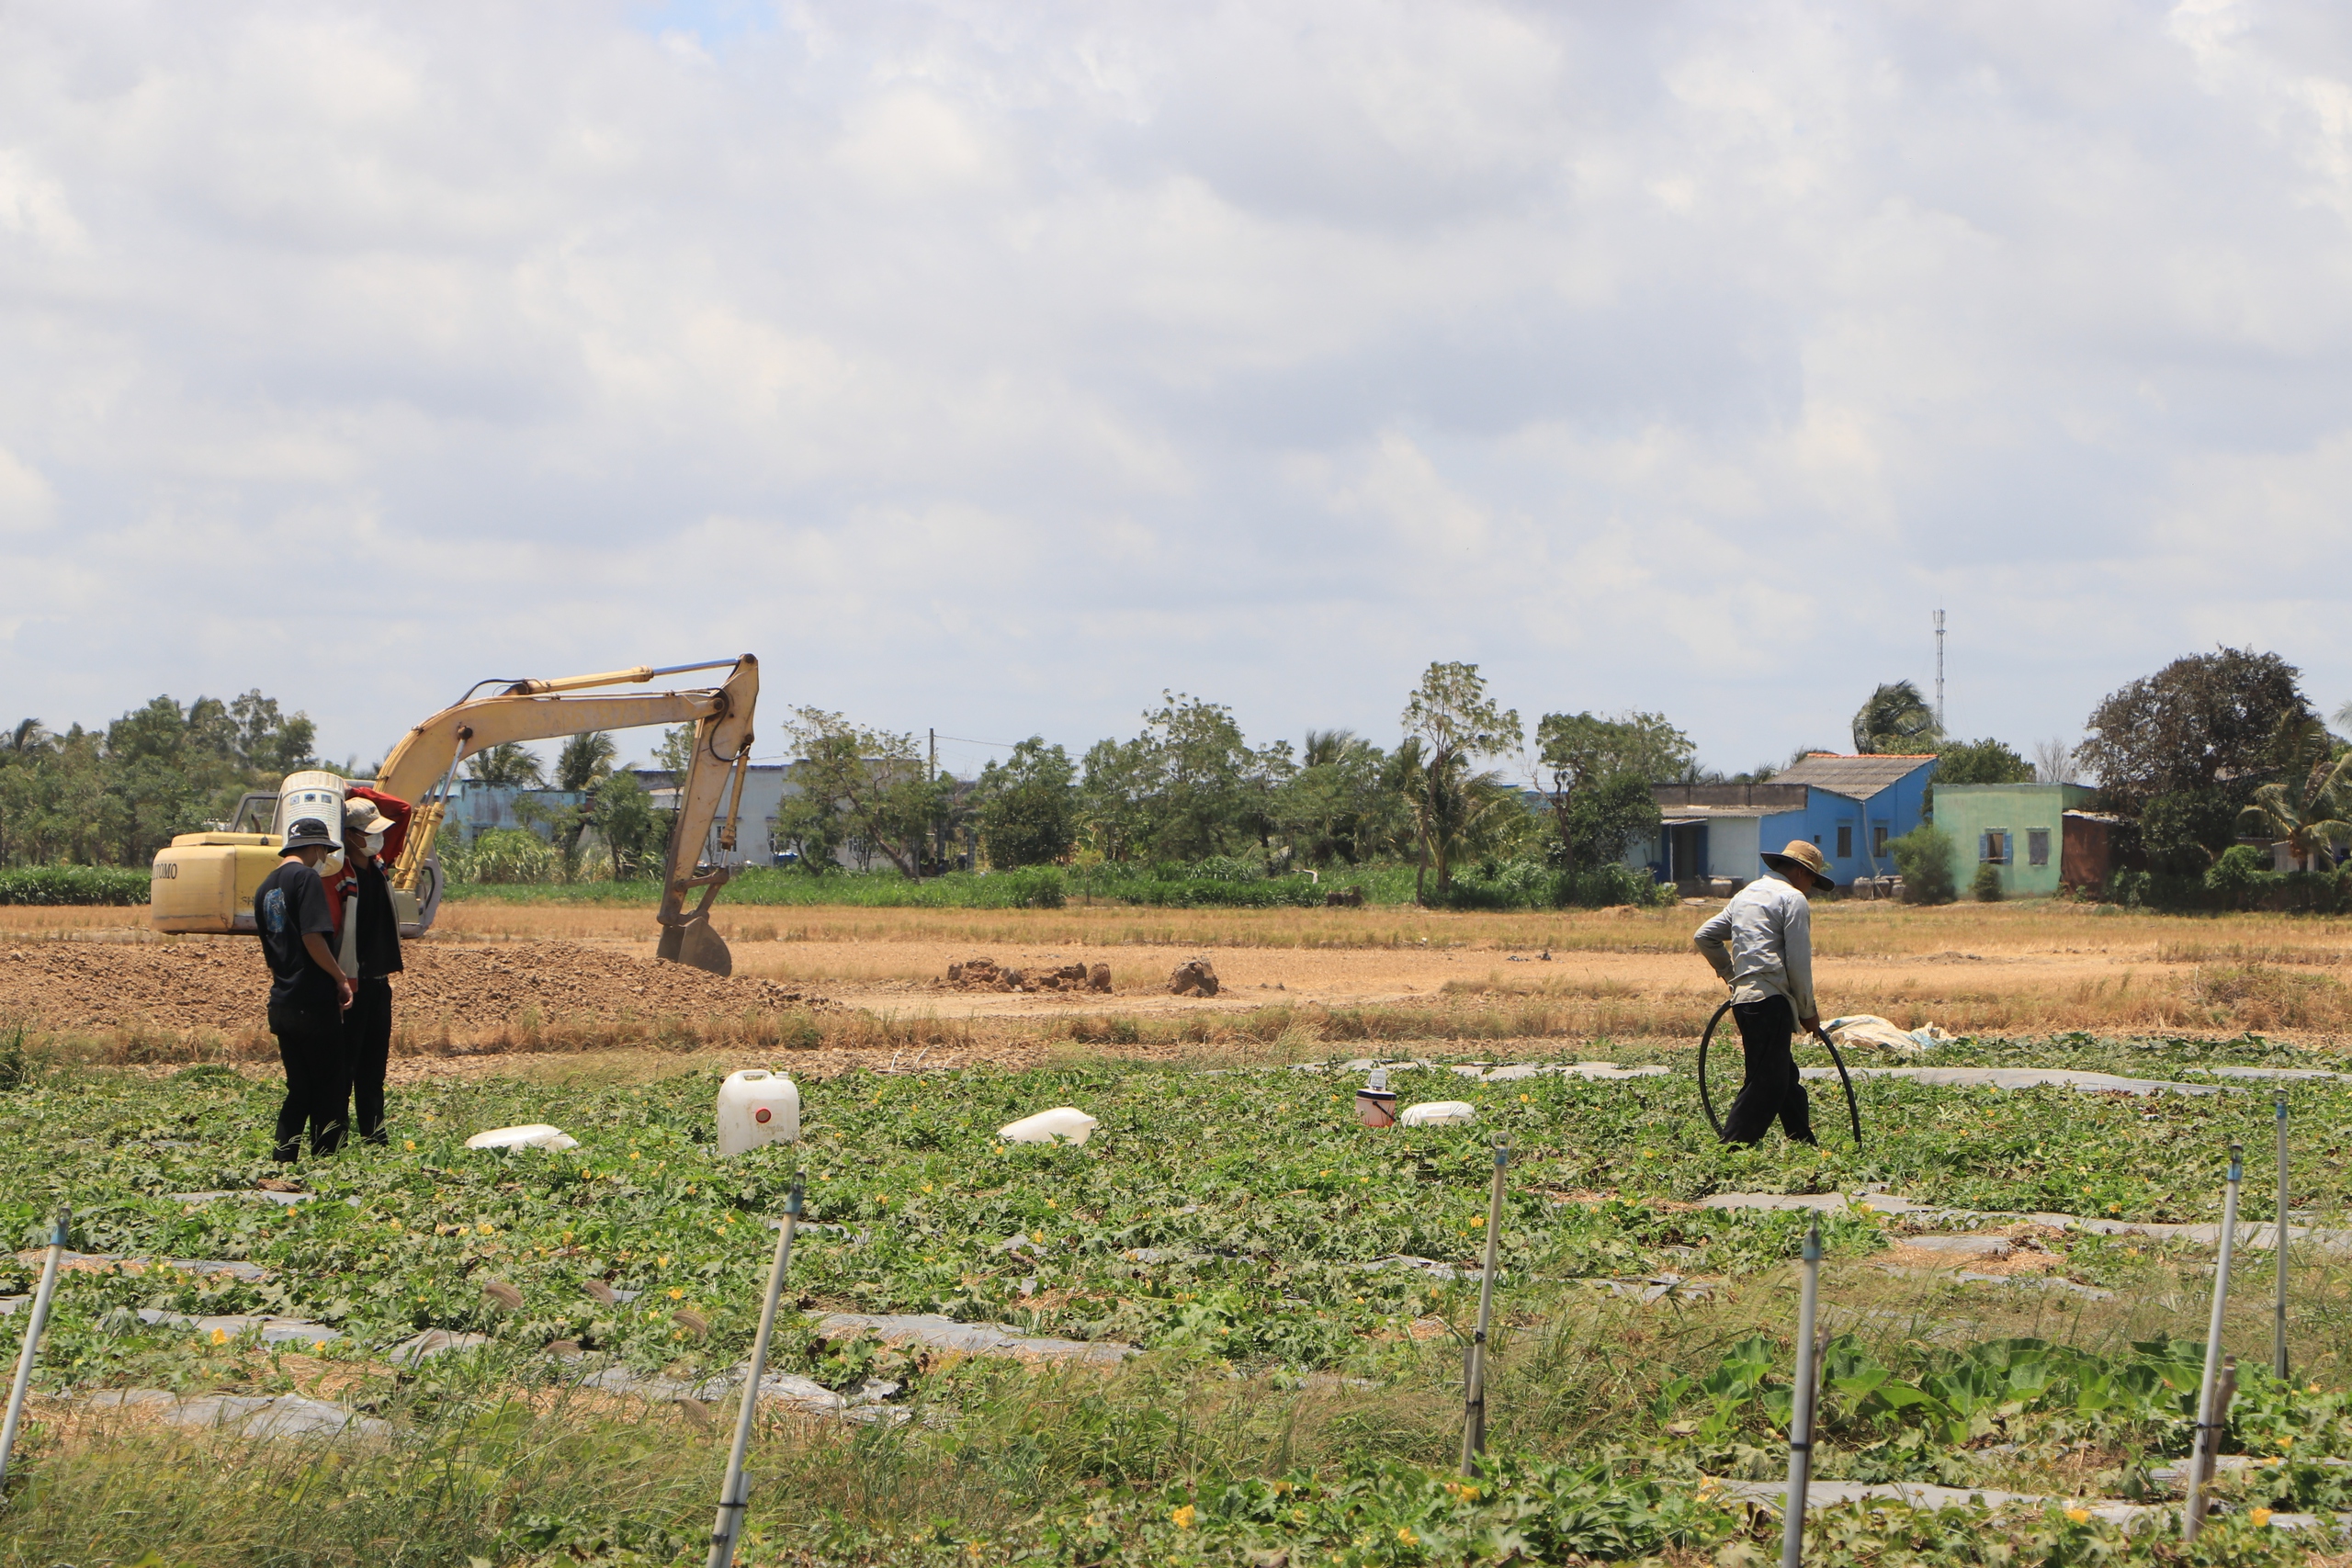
(992, 368)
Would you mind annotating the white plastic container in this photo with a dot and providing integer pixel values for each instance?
(1062, 1124)
(530, 1135)
(1439, 1114)
(756, 1107)
(311, 793)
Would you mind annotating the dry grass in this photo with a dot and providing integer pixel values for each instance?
(2020, 967)
(2225, 999)
(1841, 929)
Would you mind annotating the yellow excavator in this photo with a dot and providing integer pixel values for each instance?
(205, 881)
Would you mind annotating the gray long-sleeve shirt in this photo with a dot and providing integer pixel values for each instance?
(1761, 943)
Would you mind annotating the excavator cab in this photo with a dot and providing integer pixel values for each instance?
(205, 881)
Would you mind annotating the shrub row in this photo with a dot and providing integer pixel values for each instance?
(73, 884)
(2241, 880)
(1223, 884)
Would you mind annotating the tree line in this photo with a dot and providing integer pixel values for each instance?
(2211, 749)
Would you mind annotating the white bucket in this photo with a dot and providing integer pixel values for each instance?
(756, 1107)
(1063, 1124)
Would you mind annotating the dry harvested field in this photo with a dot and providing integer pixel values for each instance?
(502, 976)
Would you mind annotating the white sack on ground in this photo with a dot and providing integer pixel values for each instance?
(531, 1135)
(1063, 1124)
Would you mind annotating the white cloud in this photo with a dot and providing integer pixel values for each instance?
(26, 500)
(998, 366)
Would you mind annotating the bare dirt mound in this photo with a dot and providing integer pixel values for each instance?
(223, 985)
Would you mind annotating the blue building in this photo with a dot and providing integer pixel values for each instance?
(1849, 807)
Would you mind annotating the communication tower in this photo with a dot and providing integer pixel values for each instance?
(1939, 668)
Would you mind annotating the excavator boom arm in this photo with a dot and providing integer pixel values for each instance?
(537, 710)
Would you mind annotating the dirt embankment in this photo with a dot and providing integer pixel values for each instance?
(456, 992)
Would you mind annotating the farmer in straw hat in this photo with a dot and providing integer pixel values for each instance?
(1761, 943)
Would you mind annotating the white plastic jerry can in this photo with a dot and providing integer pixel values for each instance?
(757, 1107)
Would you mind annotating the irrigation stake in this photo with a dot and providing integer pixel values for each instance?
(33, 1325)
(2200, 1459)
(1474, 1380)
(734, 1493)
(2278, 1240)
(1801, 1406)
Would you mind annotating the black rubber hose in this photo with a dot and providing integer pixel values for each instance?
(1706, 1101)
(1853, 1111)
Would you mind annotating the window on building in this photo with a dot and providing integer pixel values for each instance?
(1994, 846)
(2036, 846)
(1878, 839)
(1845, 842)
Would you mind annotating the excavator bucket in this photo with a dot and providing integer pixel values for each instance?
(695, 943)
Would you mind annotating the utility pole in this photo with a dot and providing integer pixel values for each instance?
(1939, 668)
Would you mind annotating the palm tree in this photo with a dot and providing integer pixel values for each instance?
(585, 759)
(1452, 807)
(1896, 718)
(508, 763)
(1325, 747)
(29, 738)
(2303, 808)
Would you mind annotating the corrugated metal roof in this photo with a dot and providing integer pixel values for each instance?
(1860, 777)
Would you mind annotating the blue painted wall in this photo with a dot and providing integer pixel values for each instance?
(1891, 813)
(1735, 845)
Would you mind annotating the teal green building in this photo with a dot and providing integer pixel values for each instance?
(2026, 829)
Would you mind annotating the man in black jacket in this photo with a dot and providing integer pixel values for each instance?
(307, 993)
(374, 827)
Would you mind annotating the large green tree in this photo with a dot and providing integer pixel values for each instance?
(1188, 787)
(1605, 816)
(1338, 807)
(1457, 724)
(875, 785)
(1026, 807)
(1577, 752)
(2200, 722)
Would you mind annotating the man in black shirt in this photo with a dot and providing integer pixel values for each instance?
(307, 991)
(375, 826)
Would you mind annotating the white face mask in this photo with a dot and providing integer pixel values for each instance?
(375, 844)
(332, 864)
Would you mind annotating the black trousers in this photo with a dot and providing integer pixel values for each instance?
(1773, 1089)
(367, 1045)
(318, 1080)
